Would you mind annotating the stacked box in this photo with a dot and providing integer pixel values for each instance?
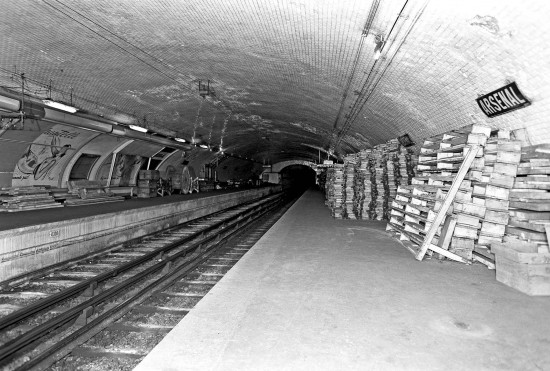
(207, 185)
(365, 169)
(329, 187)
(501, 157)
(13, 199)
(530, 198)
(416, 206)
(378, 180)
(338, 196)
(358, 187)
(368, 181)
(350, 162)
(147, 183)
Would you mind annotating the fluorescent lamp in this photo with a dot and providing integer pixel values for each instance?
(138, 128)
(60, 106)
(180, 140)
(203, 146)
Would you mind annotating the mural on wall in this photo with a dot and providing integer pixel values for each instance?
(124, 172)
(45, 159)
(170, 172)
(130, 169)
(103, 171)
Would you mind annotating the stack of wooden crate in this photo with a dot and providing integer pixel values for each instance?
(88, 192)
(399, 159)
(365, 169)
(392, 177)
(378, 171)
(412, 162)
(523, 258)
(530, 198)
(467, 210)
(207, 185)
(15, 199)
(338, 196)
(329, 187)
(416, 207)
(349, 192)
(491, 186)
(370, 178)
(147, 183)
(388, 181)
(359, 187)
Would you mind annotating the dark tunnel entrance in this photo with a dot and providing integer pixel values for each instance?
(297, 177)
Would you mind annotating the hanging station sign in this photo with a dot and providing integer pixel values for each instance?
(503, 100)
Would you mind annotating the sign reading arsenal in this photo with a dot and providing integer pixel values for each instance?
(503, 100)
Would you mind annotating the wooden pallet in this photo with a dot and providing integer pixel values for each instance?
(442, 213)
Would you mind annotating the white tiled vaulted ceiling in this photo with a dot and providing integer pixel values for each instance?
(280, 69)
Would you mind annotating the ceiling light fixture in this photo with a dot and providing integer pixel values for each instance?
(59, 106)
(138, 128)
(181, 140)
(203, 146)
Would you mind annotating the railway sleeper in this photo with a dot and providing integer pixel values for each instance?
(90, 352)
(163, 329)
(161, 309)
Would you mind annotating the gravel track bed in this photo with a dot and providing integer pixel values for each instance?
(214, 270)
(123, 340)
(94, 364)
(78, 268)
(191, 288)
(154, 319)
(18, 301)
(40, 287)
(195, 276)
(177, 302)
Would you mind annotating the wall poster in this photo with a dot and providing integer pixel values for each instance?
(44, 160)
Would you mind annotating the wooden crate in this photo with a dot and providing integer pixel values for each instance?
(147, 183)
(149, 174)
(146, 193)
(528, 272)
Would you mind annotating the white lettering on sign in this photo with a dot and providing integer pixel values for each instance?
(503, 100)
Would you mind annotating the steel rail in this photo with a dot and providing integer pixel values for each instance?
(45, 303)
(62, 348)
(11, 347)
(23, 278)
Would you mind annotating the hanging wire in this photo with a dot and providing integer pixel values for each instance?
(351, 76)
(125, 50)
(363, 98)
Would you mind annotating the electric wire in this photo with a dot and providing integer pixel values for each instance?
(352, 74)
(358, 103)
(381, 75)
(125, 50)
(308, 45)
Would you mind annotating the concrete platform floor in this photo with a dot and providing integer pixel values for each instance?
(35, 217)
(322, 294)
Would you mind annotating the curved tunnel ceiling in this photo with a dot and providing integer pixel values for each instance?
(290, 79)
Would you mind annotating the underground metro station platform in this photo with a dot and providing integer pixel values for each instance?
(249, 184)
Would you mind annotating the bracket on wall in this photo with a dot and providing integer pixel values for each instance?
(9, 120)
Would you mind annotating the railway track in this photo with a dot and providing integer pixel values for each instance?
(135, 292)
